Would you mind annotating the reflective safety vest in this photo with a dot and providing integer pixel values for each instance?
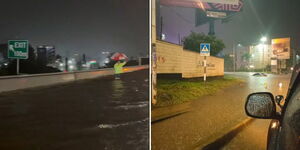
(119, 67)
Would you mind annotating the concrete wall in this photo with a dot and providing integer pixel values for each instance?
(9, 83)
(173, 59)
(168, 57)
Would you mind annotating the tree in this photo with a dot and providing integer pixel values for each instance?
(246, 57)
(192, 42)
(228, 62)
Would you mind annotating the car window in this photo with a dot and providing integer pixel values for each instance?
(290, 135)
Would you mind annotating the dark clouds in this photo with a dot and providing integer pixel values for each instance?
(89, 26)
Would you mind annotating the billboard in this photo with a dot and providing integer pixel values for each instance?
(281, 48)
(212, 5)
(231, 2)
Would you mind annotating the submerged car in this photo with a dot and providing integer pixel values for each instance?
(284, 129)
(259, 74)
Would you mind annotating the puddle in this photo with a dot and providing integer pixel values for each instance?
(110, 126)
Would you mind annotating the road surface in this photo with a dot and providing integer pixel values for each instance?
(254, 135)
(96, 114)
(210, 115)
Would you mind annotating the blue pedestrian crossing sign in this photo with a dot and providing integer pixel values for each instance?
(205, 49)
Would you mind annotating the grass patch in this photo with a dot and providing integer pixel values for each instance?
(170, 91)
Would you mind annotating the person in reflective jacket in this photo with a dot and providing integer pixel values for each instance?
(119, 68)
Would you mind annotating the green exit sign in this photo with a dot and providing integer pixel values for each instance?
(18, 49)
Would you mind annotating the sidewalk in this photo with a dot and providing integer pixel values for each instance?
(166, 112)
(162, 113)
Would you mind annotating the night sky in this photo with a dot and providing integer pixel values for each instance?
(78, 26)
(272, 18)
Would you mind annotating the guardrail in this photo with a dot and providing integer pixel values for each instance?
(10, 83)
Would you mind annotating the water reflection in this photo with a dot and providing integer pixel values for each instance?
(122, 124)
(134, 105)
(276, 84)
(118, 89)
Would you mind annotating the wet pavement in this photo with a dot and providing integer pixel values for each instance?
(215, 114)
(97, 114)
(252, 137)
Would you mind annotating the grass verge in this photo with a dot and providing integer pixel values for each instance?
(170, 91)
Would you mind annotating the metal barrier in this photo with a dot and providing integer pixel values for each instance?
(10, 83)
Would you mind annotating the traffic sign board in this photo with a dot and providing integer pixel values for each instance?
(18, 49)
(214, 14)
(205, 49)
(232, 2)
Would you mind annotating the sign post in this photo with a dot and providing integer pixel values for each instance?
(205, 51)
(18, 49)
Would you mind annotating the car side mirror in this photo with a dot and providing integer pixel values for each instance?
(278, 100)
(261, 105)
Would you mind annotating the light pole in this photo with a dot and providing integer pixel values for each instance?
(263, 40)
(234, 55)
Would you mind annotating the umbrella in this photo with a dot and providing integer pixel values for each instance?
(118, 56)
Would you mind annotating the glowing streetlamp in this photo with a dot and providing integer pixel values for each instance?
(263, 40)
(163, 36)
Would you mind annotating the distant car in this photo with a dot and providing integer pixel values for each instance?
(284, 128)
(259, 74)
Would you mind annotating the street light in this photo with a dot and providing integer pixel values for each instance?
(163, 36)
(263, 40)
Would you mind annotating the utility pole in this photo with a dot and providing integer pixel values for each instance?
(18, 66)
(211, 27)
(179, 39)
(233, 56)
(66, 64)
(161, 27)
(263, 57)
(154, 7)
(263, 40)
(294, 57)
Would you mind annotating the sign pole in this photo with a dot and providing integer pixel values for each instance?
(205, 51)
(17, 49)
(18, 67)
(204, 69)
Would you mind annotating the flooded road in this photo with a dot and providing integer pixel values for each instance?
(101, 113)
(216, 114)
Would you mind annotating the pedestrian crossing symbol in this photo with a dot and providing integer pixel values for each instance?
(205, 49)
